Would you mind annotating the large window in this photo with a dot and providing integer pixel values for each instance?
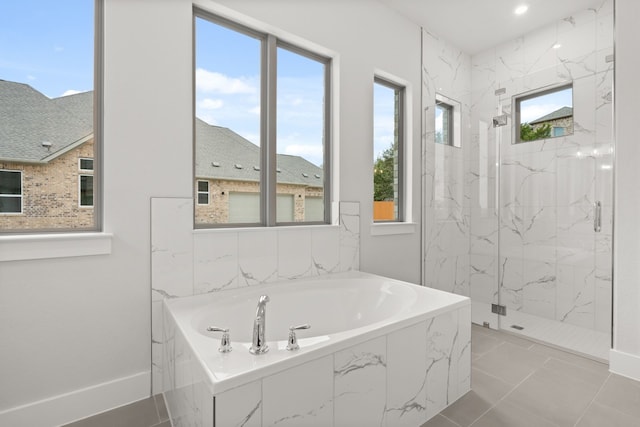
(261, 127)
(10, 192)
(49, 142)
(545, 113)
(388, 151)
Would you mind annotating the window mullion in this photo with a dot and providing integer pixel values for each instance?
(269, 145)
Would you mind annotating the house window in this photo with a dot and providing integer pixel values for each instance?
(10, 192)
(86, 190)
(85, 164)
(262, 125)
(388, 143)
(51, 113)
(203, 192)
(542, 114)
(447, 125)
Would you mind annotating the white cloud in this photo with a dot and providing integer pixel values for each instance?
(533, 112)
(209, 81)
(210, 104)
(255, 110)
(31, 78)
(313, 153)
(71, 92)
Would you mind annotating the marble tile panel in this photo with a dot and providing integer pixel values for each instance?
(288, 400)
(483, 273)
(576, 295)
(576, 176)
(215, 262)
(602, 303)
(257, 257)
(241, 406)
(511, 282)
(349, 236)
(360, 383)
(294, 253)
(157, 343)
(539, 233)
(539, 289)
(441, 372)
(407, 367)
(325, 250)
(171, 248)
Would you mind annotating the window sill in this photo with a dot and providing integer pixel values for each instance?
(390, 228)
(44, 246)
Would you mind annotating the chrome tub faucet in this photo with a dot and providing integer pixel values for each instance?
(259, 345)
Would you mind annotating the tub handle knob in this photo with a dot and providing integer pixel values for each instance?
(225, 341)
(292, 343)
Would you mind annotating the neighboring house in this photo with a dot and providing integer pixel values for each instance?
(46, 159)
(46, 168)
(227, 181)
(561, 121)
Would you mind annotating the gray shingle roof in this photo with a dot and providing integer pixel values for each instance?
(28, 118)
(223, 154)
(555, 115)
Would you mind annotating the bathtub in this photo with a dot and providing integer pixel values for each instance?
(379, 352)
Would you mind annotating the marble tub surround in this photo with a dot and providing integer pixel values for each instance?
(398, 371)
(187, 262)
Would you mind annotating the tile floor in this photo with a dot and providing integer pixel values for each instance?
(515, 383)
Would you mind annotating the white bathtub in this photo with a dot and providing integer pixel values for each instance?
(361, 317)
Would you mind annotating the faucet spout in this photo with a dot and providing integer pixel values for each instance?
(258, 344)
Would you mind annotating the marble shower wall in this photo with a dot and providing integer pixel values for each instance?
(551, 263)
(446, 181)
(188, 262)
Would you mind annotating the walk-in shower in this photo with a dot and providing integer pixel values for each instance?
(519, 217)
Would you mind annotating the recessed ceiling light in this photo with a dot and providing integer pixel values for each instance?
(557, 46)
(521, 9)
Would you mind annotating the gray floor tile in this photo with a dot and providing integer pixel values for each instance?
(576, 360)
(142, 413)
(161, 407)
(506, 414)
(599, 415)
(557, 397)
(439, 421)
(503, 336)
(622, 394)
(483, 343)
(510, 362)
(573, 370)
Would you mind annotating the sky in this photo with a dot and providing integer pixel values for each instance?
(47, 44)
(535, 108)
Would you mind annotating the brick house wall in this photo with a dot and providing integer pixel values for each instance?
(50, 193)
(564, 122)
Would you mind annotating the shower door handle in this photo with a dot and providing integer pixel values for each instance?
(597, 217)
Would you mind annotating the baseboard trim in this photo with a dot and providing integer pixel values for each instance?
(625, 364)
(79, 404)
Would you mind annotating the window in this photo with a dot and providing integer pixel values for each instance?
(388, 143)
(86, 190)
(447, 126)
(50, 61)
(10, 192)
(85, 164)
(546, 113)
(262, 126)
(203, 192)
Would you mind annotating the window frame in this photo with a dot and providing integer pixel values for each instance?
(536, 93)
(80, 168)
(268, 122)
(455, 117)
(400, 131)
(98, 150)
(20, 196)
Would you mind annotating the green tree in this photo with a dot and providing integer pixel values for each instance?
(383, 175)
(527, 133)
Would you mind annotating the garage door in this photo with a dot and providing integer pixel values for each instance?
(313, 209)
(245, 208)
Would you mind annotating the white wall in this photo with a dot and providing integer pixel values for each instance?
(76, 331)
(625, 358)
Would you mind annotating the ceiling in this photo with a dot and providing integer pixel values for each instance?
(477, 25)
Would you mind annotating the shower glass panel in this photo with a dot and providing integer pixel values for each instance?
(555, 210)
